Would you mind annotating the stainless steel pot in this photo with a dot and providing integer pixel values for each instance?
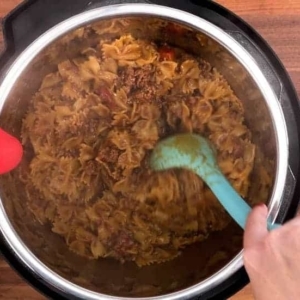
(46, 255)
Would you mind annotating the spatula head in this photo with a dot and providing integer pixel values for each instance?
(188, 151)
(11, 152)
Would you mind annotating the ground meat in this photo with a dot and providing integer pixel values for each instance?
(91, 126)
(147, 95)
(121, 243)
(206, 69)
(191, 101)
(140, 82)
(108, 154)
(128, 204)
(74, 153)
(91, 168)
(238, 150)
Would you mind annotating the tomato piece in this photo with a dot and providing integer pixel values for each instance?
(166, 53)
(175, 29)
(104, 93)
(106, 96)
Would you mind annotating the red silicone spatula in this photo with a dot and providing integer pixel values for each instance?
(11, 152)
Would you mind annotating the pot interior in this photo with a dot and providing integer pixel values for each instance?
(198, 261)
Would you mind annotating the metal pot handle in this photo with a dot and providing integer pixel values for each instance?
(31, 19)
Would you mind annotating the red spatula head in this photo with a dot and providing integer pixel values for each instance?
(11, 152)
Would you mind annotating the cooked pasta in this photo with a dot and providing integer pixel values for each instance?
(91, 128)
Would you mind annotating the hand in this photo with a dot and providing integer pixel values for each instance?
(272, 259)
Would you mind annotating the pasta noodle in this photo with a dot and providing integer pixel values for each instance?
(91, 127)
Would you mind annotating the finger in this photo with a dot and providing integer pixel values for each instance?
(256, 226)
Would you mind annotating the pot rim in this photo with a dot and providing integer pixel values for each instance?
(220, 36)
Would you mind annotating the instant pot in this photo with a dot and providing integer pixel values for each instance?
(272, 113)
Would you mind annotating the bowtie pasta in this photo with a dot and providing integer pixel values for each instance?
(91, 128)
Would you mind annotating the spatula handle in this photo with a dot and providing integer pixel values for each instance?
(11, 152)
(234, 204)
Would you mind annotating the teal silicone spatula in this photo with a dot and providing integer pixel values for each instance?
(193, 152)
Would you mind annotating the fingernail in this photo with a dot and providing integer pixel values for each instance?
(262, 206)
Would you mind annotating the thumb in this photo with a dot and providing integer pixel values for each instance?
(256, 226)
